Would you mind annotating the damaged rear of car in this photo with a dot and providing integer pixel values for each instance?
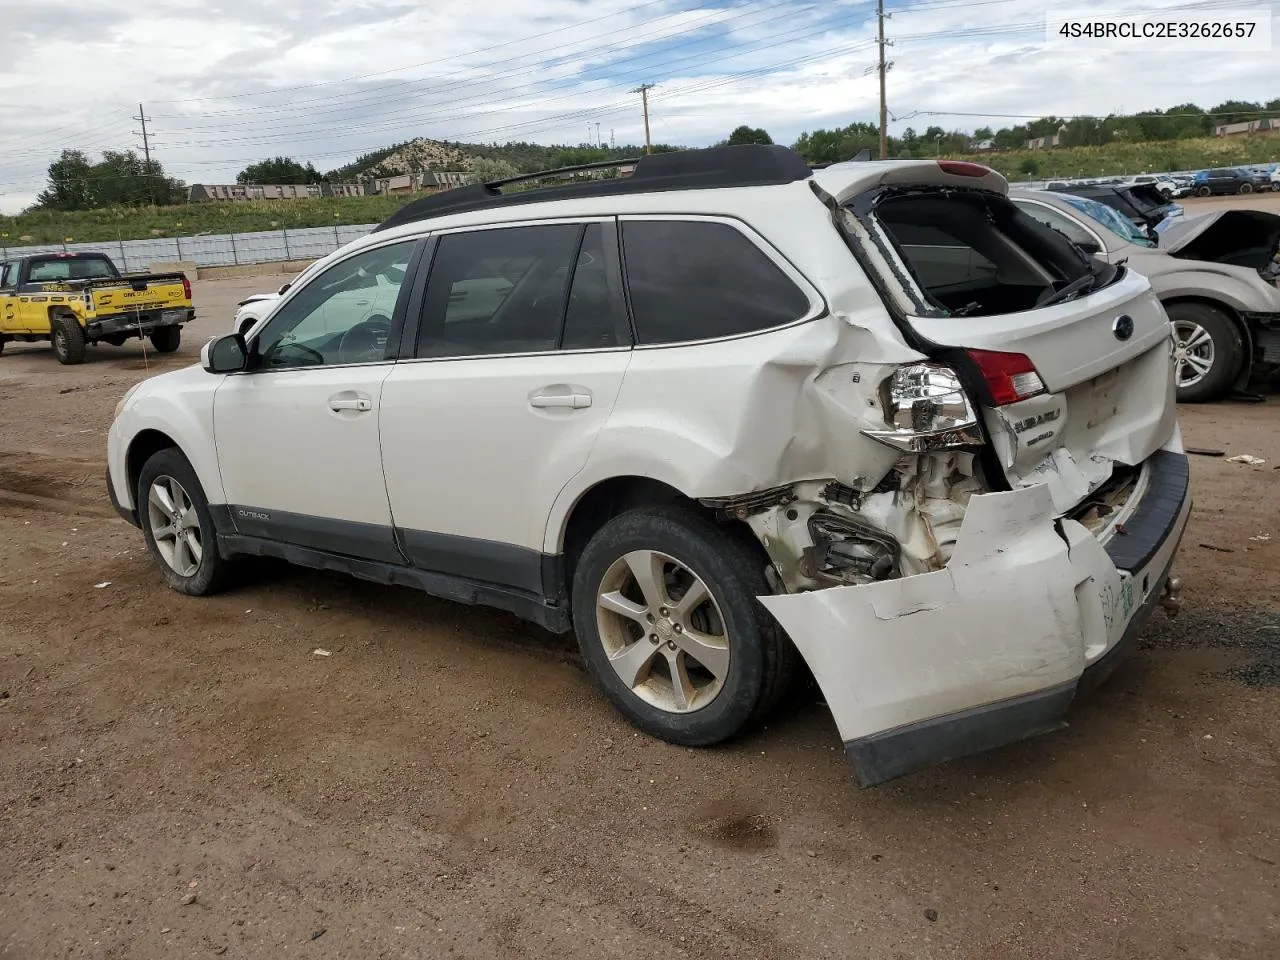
(1022, 490)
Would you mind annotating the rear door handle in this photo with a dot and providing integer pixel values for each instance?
(350, 403)
(575, 400)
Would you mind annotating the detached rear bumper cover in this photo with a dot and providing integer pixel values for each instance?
(995, 647)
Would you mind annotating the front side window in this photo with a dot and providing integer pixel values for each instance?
(513, 290)
(342, 315)
(700, 280)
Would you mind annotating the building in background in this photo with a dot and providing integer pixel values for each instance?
(1247, 129)
(429, 181)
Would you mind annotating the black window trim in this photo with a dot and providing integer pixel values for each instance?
(817, 304)
(396, 333)
(613, 263)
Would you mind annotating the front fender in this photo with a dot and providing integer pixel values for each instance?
(180, 406)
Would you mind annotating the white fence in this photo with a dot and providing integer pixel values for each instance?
(212, 250)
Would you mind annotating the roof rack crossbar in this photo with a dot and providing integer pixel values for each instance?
(574, 168)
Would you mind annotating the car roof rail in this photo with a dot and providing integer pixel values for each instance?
(740, 165)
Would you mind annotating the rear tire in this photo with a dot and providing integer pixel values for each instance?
(749, 661)
(166, 339)
(1208, 351)
(178, 527)
(68, 339)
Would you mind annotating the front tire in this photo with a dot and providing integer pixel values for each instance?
(68, 339)
(1208, 351)
(1246, 188)
(1204, 192)
(178, 527)
(166, 339)
(666, 616)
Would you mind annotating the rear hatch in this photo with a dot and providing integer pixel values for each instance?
(1241, 238)
(1068, 356)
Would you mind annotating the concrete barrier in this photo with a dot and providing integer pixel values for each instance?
(186, 267)
(289, 267)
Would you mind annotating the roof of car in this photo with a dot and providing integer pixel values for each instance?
(741, 165)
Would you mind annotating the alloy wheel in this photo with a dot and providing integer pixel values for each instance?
(1193, 352)
(662, 631)
(175, 526)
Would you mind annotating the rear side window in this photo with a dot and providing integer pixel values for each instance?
(498, 291)
(699, 280)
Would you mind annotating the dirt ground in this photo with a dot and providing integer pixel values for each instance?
(184, 777)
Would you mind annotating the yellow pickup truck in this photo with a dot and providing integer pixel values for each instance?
(77, 299)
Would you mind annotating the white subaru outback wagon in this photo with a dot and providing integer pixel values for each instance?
(718, 418)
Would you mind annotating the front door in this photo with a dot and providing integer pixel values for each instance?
(523, 343)
(297, 434)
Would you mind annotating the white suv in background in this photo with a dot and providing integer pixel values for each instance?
(718, 417)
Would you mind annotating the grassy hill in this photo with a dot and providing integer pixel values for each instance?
(1116, 159)
(186, 220)
(131, 223)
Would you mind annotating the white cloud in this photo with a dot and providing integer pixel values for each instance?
(509, 70)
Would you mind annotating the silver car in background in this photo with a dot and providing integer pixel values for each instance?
(1218, 276)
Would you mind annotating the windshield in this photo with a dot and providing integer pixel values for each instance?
(86, 268)
(1109, 217)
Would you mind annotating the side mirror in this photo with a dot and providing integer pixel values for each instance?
(226, 354)
(1089, 247)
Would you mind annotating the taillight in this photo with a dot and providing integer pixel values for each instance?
(926, 410)
(963, 168)
(186, 289)
(1010, 377)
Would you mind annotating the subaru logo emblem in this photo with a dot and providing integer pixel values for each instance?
(1122, 327)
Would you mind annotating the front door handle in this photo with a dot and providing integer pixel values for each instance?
(577, 401)
(341, 402)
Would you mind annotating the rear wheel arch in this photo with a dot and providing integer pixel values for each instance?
(600, 503)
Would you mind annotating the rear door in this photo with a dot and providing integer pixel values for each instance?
(1072, 388)
(513, 371)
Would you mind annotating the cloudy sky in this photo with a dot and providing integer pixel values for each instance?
(229, 82)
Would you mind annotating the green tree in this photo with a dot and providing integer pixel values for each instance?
(485, 169)
(1029, 166)
(279, 170)
(983, 133)
(69, 186)
(119, 179)
(745, 134)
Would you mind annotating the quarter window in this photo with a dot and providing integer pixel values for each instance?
(698, 280)
(343, 315)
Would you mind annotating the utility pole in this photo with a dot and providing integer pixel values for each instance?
(643, 90)
(884, 109)
(597, 133)
(146, 152)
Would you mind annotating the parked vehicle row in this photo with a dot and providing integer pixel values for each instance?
(717, 418)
